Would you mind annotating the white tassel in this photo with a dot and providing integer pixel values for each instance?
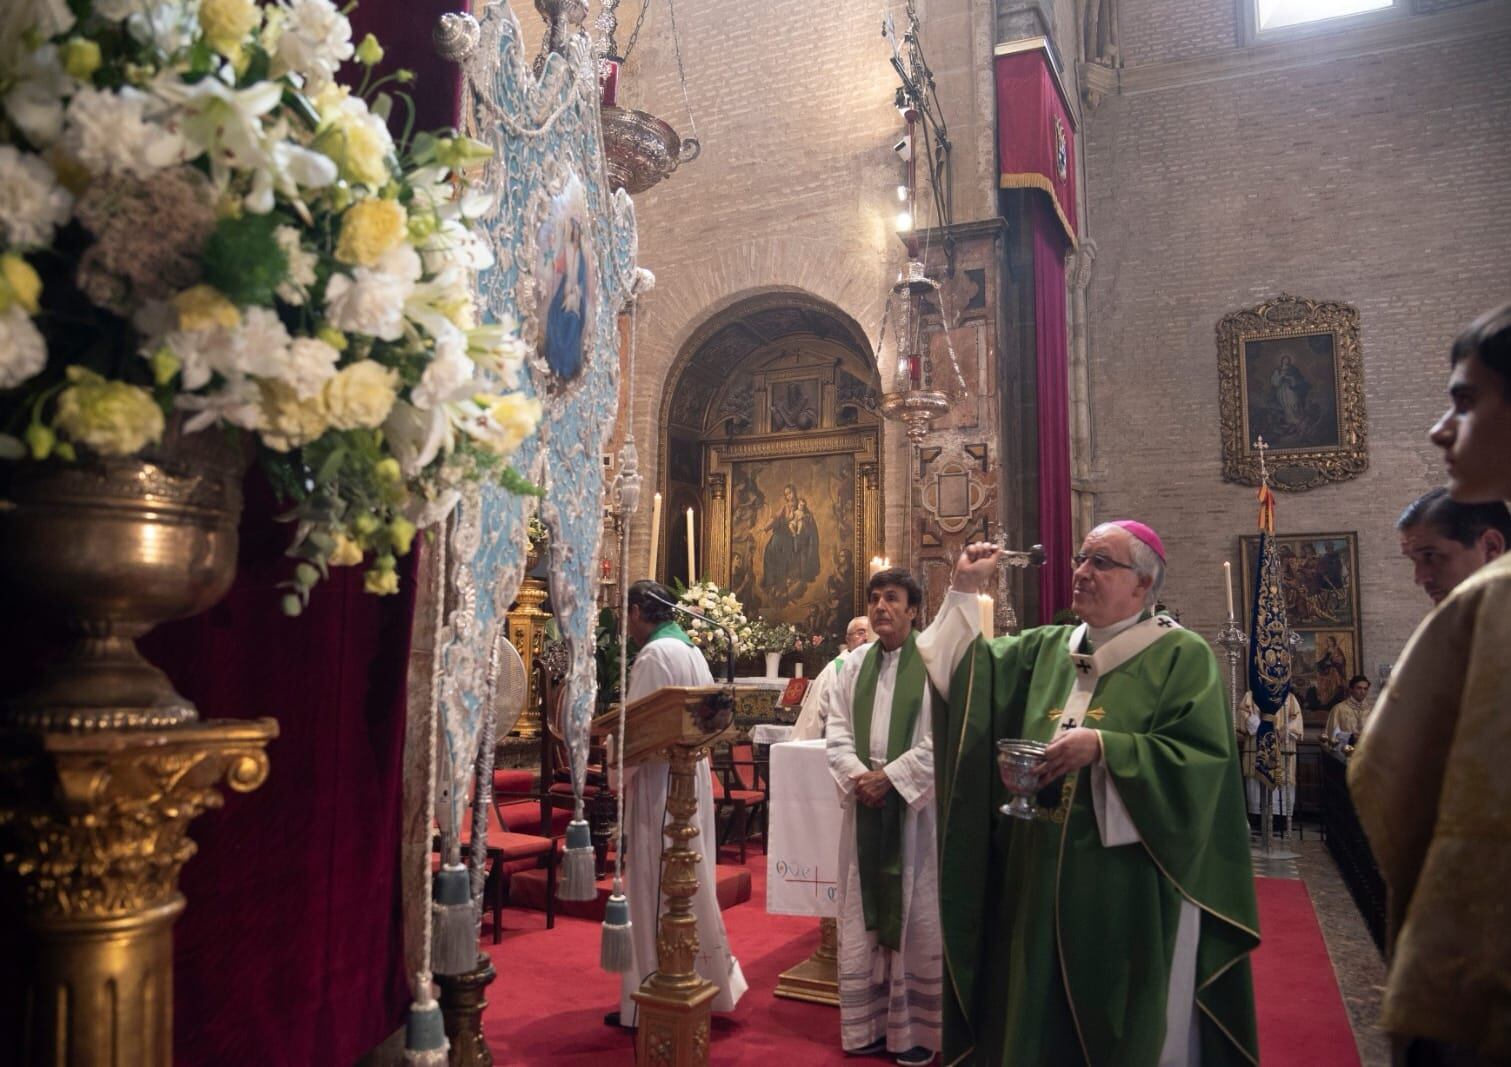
(425, 1043)
(454, 930)
(578, 878)
(616, 952)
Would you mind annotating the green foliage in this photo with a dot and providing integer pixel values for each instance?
(242, 259)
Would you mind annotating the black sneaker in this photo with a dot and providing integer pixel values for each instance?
(916, 1057)
(874, 1048)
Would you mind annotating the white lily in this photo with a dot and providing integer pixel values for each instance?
(225, 122)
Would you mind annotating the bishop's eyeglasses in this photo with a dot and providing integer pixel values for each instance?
(1099, 562)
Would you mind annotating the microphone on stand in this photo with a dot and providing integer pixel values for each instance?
(730, 663)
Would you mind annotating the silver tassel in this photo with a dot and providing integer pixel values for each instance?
(616, 952)
(578, 878)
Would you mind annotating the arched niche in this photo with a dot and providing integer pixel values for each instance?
(771, 433)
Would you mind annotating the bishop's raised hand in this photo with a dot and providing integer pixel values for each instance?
(976, 569)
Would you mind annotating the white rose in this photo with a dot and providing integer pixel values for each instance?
(448, 376)
(259, 346)
(32, 203)
(23, 353)
(306, 364)
(371, 301)
(114, 133)
(316, 39)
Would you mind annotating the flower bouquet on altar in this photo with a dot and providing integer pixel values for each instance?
(204, 232)
(777, 637)
(717, 608)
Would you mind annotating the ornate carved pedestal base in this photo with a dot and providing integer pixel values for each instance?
(93, 833)
(816, 979)
(462, 1004)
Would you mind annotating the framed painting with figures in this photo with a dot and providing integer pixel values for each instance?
(1320, 578)
(1290, 371)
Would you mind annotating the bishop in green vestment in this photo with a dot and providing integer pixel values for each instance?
(1115, 927)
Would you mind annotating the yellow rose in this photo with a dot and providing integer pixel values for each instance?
(369, 230)
(517, 416)
(361, 395)
(347, 552)
(202, 307)
(113, 418)
(352, 137)
(18, 283)
(380, 583)
(287, 420)
(226, 24)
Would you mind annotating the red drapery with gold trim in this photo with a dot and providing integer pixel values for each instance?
(1036, 145)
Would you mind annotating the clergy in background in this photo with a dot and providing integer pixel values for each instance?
(1345, 722)
(1288, 730)
(1429, 774)
(667, 658)
(810, 720)
(1447, 541)
(881, 754)
(1116, 926)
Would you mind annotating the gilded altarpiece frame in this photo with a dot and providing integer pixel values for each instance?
(1291, 370)
(760, 489)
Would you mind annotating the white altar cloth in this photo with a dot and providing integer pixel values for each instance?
(802, 860)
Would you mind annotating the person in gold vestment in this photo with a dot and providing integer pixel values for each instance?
(1429, 777)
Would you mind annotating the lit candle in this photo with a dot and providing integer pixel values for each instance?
(988, 616)
(655, 535)
(877, 565)
(1227, 581)
(692, 551)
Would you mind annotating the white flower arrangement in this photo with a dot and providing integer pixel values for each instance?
(719, 607)
(200, 225)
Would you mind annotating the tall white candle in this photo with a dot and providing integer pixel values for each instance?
(877, 565)
(655, 535)
(692, 551)
(1227, 581)
(988, 616)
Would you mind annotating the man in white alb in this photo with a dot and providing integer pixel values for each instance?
(667, 658)
(881, 753)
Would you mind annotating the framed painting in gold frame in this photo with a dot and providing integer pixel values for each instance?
(1290, 371)
(1320, 577)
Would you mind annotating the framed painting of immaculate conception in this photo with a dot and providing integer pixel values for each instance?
(1290, 371)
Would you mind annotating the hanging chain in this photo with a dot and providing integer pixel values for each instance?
(635, 33)
(691, 145)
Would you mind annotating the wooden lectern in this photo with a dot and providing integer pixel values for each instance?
(678, 725)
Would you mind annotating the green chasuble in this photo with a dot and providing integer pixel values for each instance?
(1058, 948)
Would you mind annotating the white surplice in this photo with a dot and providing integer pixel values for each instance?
(662, 663)
(895, 995)
(1289, 727)
(811, 719)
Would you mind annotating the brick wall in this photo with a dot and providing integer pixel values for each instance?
(1380, 180)
(796, 185)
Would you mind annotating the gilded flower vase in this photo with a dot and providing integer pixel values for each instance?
(106, 764)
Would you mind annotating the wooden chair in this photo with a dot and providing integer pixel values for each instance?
(509, 853)
(740, 790)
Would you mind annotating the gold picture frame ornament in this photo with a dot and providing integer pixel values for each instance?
(1292, 371)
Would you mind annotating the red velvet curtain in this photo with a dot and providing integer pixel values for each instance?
(1051, 343)
(291, 947)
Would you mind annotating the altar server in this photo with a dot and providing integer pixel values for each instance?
(1116, 927)
(1429, 777)
(667, 658)
(881, 754)
(810, 720)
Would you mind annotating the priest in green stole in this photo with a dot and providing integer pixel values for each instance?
(882, 757)
(1115, 927)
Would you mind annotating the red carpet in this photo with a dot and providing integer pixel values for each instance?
(548, 1002)
(1302, 1019)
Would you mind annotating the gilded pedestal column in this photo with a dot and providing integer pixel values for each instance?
(527, 633)
(816, 979)
(463, 1000)
(674, 1001)
(93, 834)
